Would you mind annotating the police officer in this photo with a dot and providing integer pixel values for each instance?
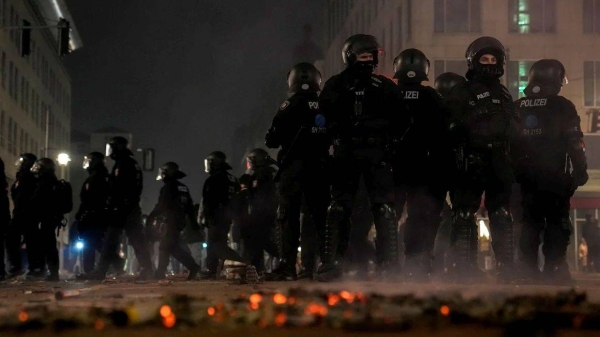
(420, 162)
(218, 211)
(44, 204)
(300, 130)
(262, 207)
(445, 82)
(359, 107)
(175, 209)
(443, 85)
(551, 164)
(483, 122)
(23, 222)
(4, 217)
(91, 216)
(124, 213)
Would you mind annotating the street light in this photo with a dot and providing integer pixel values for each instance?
(63, 159)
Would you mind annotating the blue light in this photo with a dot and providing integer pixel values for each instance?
(79, 245)
(204, 244)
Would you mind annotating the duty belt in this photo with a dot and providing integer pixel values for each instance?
(370, 141)
(489, 145)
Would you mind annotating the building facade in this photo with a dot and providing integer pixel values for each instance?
(35, 91)
(567, 30)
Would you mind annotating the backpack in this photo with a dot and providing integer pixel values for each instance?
(64, 197)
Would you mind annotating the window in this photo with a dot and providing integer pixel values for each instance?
(441, 66)
(591, 83)
(517, 74)
(2, 129)
(10, 79)
(2, 12)
(457, 16)
(591, 16)
(22, 92)
(12, 23)
(27, 96)
(400, 33)
(16, 84)
(532, 16)
(408, 20)
(11, 130)
(17, 33)
(3, 69)
(22, 141)
(26, 146)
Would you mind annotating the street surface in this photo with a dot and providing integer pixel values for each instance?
(83, 295)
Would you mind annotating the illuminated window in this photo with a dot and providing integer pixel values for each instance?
(441, 66)
(457, 16)
(532, 16)
(517, 75)
(591, 16)
(591, 83)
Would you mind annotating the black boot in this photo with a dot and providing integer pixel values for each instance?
(465, 247)
(330, 270)
(502, 229)
(387, 241)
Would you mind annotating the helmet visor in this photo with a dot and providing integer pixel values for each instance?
(86, 162)
(108, 151)
(160, 174)
(19, 162)
(207, 165)
(36, 168)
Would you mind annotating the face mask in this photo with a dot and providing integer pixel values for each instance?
(364, 68)
(490, 70)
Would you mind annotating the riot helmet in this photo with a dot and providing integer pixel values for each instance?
(26, 161)
(43, 167)
(257, 158)
(170, 171)
(446, 81)
(359, 44)
(93, 160)
(216, 161)
(411, 66)
(483, 46)
(547, 77)
(304, 77)
(117, 146)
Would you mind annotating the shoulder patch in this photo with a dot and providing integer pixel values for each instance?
(182, 189)
(284, 105)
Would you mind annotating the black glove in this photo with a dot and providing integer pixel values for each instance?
(580, 178)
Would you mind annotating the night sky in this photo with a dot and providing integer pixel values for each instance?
(183, 75)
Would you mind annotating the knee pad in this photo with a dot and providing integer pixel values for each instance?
(384, 210)
(282, 212)
(337, 211)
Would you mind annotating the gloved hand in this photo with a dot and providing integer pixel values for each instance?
(580, 178)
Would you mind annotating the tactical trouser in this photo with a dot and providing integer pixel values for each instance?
(48, 245)
(128, 219)
(424, 208)
(369, 164)
(442, 246)
(487, 171)
(170, 245)
(257, 241)
(29, 229)
(218, 249)
(308, 236)
(301, 181)
(361, 250)
(548, 212)
(91, 230)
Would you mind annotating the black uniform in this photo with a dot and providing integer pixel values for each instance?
(421, 166)
(92, 214)
(483, 123)
(218, 212)
(23, 223)
(551, 164)
(43, 204)
(360, 110)
(124, 213)
(175, 209)
(300, 129)
(4, 217)
(261, 216)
